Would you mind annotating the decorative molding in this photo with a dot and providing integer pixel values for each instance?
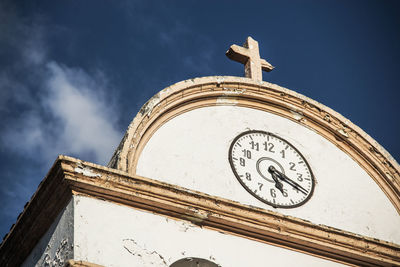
(72, 263)
(70, 176)
(224, 90)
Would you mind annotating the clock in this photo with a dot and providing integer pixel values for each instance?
(271, 169)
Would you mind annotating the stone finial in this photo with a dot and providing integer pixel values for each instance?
(249, 55)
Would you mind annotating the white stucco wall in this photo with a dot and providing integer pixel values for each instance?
(114, 235)
(191, 150)
(55, 248)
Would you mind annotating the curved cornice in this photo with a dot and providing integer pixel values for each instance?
(225, 90)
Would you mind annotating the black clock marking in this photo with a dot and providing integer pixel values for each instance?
(271, 169)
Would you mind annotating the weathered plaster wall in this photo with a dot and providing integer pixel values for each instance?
(191, 150)
(55, 248)
(114, 235)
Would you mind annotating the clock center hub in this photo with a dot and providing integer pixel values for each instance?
(263, 164)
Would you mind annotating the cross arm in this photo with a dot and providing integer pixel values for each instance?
(266, 66)
(238, 53)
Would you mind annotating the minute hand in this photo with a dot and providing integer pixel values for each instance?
(286, 179)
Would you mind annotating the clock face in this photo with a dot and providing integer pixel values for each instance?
(271, 169)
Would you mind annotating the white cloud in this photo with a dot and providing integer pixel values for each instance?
(78, 102)
(46, 109)
(73, 116)
(55, 109)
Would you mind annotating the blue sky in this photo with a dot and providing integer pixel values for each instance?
(73, 74)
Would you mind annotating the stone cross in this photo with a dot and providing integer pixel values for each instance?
(249, 55)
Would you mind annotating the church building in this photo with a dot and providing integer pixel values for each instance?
(220, 171)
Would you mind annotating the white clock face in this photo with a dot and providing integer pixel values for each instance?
(271, 169)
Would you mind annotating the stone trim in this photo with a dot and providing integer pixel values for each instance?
(76, 177)
(224, 90)
(72, 263)
(70, 176)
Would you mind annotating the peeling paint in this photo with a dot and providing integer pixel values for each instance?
(60, 256)
(185, 226)
(220, 80)
(86, 171)
(145, 256)
(233, 91)
(148, 107)
(55, 247)
(343, 133)
(224, 100)
(327, 118)
(297, 115)
(166, 91)
(200, 215)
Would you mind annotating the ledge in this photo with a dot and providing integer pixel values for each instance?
(72, 263)
(70, 176)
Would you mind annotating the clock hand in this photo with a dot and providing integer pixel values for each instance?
(286, 179)
(278, 184)
(294, 184)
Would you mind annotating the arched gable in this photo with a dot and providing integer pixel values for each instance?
(234, 91)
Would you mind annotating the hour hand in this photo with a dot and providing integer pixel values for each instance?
(278, 184)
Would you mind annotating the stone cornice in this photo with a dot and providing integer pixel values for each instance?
(225, 90)
(70, 176)
(72, 263)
